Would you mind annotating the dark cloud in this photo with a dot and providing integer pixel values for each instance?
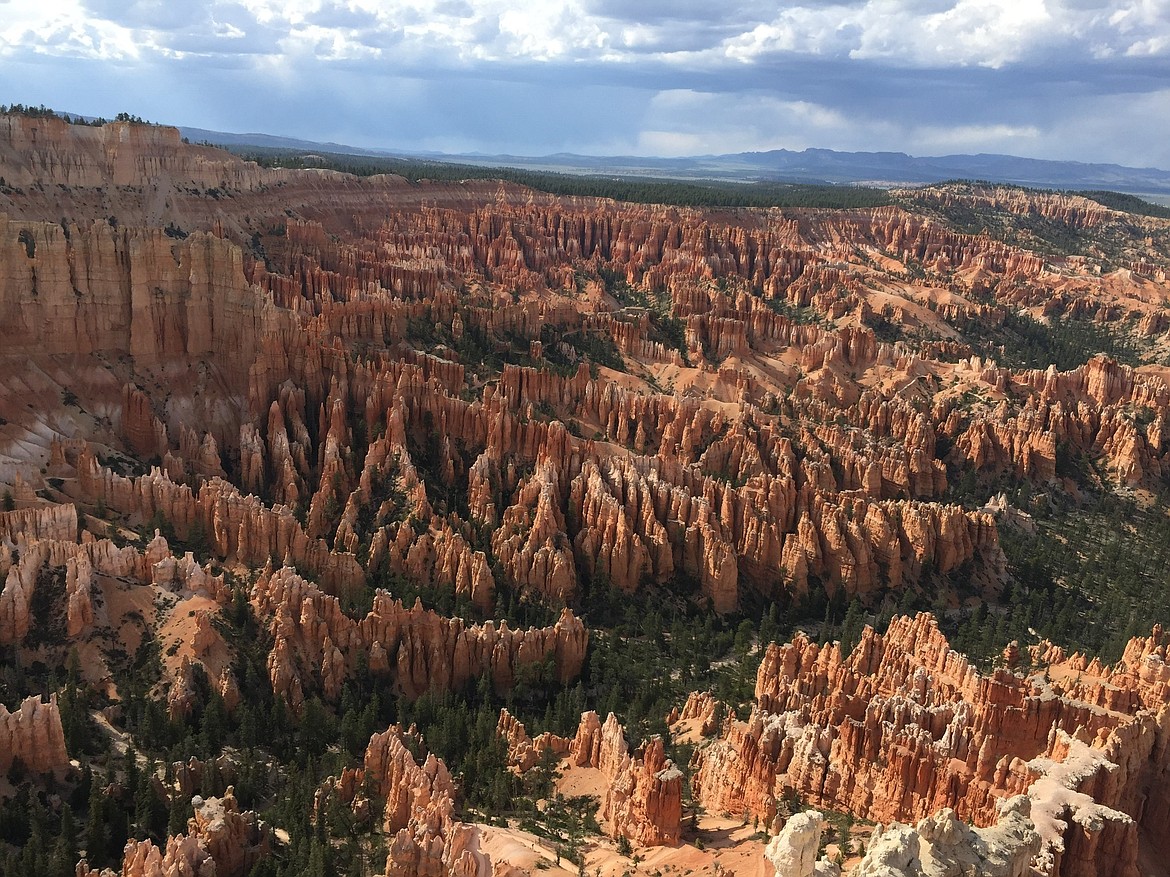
(1081, 79)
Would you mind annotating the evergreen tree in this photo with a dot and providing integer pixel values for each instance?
(148, 810)
(65, 851)
(97, 830)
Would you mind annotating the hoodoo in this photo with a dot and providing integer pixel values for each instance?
(338, 510)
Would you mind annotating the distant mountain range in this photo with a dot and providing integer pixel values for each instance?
(809, 166)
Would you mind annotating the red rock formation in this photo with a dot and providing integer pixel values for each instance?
(145, 434)
(531, 544)
(78, 594)
(235, 525)
(34, 735)
(1087, 410)
(524, 752)
(182, 855)
(235, 840)
(81, 561)
(643, 796)
(419, 817)
(97, 289)
(14, 603)
(622, 528)
(700, 711)
(316, 644)
(220, 840)
(904, 727)
(441, 556)
(189, 774)
(41, 522)
(52, 151)
(181, 695)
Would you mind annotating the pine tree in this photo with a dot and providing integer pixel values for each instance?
(65, 852)
(147, 809)
(131, 767)
(96, 829)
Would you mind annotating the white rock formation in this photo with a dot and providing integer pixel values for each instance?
(943, 846)
(793, 852)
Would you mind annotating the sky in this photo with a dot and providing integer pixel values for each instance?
(1084, 80)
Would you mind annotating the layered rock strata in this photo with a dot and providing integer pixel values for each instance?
(316, 644)
(425, 838)
(643, 790)
(33, 735)
(904, 726)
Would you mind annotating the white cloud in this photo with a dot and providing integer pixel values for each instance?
(940, 139)
(680, 122)
(685, 122)
(59, 29)
(989, 33)
(515, 75)
(927, 33)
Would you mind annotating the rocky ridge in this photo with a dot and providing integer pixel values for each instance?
(1077, 741)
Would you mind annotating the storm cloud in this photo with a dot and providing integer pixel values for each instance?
(1078, 79)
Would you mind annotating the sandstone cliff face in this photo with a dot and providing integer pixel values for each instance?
(643, 794)
(425, 837)
(904, 727)
(316, 644)
(54, 152)
(101, 290)
(34, 735)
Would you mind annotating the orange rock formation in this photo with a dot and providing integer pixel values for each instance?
(220, 840)
(34, 735)
(316, 644)
(643, 795)
(904, 726)
(419, 816)
(493, 391)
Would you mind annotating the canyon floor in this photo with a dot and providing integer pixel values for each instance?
(359, 524)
